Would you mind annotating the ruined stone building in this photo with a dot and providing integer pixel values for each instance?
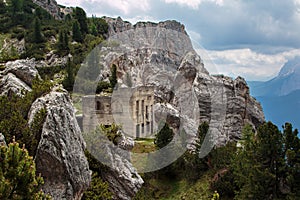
(132, 108)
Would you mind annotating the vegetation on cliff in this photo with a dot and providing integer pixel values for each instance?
(263, 165)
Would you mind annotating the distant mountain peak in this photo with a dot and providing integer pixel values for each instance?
(290, 67)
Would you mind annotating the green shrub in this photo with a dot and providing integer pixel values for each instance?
(18, 178)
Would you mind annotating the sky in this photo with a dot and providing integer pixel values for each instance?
(248, 38)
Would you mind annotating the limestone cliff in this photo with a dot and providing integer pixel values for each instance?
(162, 55)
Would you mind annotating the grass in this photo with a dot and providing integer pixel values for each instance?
(141, 147)
(172, 189)
(167, 188)
(144, 146)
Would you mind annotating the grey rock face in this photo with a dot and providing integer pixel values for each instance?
(118, 25)
(13, 44)
(60, 154)
(124, 142)
(17, 77)
(50, 6)
(124, 181)
(162, 55)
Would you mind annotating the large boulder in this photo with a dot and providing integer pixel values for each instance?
(17, 77)
(122, 177)
(124, 180)
(60, 154)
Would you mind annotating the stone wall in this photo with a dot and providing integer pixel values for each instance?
(130, 107)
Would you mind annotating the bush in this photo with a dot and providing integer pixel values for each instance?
(102, 85)
(18, 178)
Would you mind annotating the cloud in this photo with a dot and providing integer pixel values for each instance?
(247, 63)
(194, 4)
(249, 38)
(124, 7)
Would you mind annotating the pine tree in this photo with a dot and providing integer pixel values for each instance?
(80, 15)
(69, 79)
(113, 79)
(2, 7)
(16, 6)
(259, 163)
(66, 40)
(292, 155)
(60, 44)
(37, 31)
(63, 42)
(18, 178)
(77, 35)
(98, 189)
(163, 137)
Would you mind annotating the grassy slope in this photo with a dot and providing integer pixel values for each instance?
(166, 188)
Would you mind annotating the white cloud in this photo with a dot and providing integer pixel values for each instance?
(194, 4)
(195, 36)
(69, 2)
(246, 63)
(125, 6)
(136, 19)
(190, 3)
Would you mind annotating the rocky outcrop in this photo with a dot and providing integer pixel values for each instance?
(51, 6)
(60, 154)
(117, 25)
(13, 46)
(17, 77)
(162, 55)
(124, 180)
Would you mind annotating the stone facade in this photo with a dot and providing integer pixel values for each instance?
(130, 107)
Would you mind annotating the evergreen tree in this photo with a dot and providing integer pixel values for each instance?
(63, 42)
(113, 79)
(259, 163)
(69, 79)
(202, 131)
(80, 15)
(37, 32)
(98, 189)
(18, 178)
(292, 155)
(2, 7)
(16, 6)
(77, 35)
(163, 137)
